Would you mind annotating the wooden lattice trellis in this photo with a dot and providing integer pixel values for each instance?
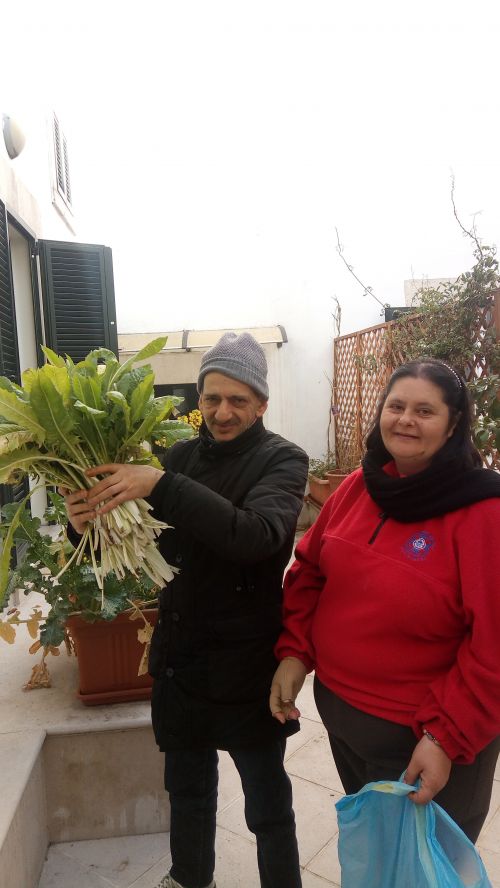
(363, 362)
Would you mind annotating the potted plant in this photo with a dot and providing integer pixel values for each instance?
(319, 488)
(111, 644)
(326, 474)
(64, 418)
(346, 450)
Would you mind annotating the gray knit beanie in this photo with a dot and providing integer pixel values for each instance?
(240, 357)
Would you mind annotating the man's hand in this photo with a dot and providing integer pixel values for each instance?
(287, 682)
(429, 762)
(124, 482)
(78, 509)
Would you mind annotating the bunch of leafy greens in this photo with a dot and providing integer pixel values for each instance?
(66, 417)
(77, 590)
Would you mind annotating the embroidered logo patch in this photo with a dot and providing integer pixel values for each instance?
(419, 545)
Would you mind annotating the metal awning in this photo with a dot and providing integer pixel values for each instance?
(188, 340)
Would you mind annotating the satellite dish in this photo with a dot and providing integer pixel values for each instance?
(13, 136)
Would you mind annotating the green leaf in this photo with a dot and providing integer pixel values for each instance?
(152, 348)
(27, 380)
(57, 509)
(171, 430)
(27, 528)
(143, 432)
(141, 396)
(52, 357)
(88, 390)
(130, 380)
(90, 411)
(10, 386)
(112, 604)
(59, 377)
(19, 461)
(52, 632)
(482, 437)
(102, 354)
(8, 542)
(120, 401)
(22, 414)
(92, 425)
(172, 425)
(52, 412)
(168, 402)
(15, 440)
(105, 378)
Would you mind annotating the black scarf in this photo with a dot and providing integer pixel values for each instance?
(220, 449)
(444, 486)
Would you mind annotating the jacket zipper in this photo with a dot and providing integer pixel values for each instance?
(383, 518)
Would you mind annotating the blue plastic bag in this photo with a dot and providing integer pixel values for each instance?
(386, 841)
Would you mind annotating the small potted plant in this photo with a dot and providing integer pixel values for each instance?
(319, 488)
(111, 644)
(347, 451)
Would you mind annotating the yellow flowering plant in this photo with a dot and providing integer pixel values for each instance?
(190, 421)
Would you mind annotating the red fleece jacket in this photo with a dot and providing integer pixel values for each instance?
(402, 620)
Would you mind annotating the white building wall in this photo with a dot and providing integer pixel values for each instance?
(16, 196)
(27, 181)
(299, 371)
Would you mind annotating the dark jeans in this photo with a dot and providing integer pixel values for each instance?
(366, 748)
(191, 778)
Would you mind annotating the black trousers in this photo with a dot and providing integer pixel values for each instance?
(191, 778)
(366, 748)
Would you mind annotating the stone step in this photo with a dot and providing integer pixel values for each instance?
(67, 771)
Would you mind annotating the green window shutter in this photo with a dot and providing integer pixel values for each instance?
(9, 354)
(78, 298)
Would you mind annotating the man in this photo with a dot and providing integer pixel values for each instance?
(232, 496)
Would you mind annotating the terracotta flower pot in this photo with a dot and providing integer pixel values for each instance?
(335, 480)
(319, 489)
(109, 654)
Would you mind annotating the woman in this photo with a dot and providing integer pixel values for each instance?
(394, 600)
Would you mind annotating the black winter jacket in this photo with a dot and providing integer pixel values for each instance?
(233, 507)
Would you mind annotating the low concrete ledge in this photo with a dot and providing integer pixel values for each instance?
(23, 820)
(69, 772)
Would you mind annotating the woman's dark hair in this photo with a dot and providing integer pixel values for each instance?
(455, 395)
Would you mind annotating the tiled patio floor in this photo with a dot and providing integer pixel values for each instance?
(141, 861)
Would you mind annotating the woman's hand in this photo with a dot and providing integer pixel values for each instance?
(287, 682)
(77, 507)
(123, 482)
(429, 762)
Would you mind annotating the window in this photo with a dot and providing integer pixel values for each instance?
(61, 160)
(187, 391)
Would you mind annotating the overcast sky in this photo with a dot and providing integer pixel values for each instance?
(227, 140)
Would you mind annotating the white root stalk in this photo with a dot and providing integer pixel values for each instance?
(126, 541)
(126, 537)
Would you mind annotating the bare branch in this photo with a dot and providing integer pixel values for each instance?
(337, 315)
(368, 291)
(472, 233)
(329, 451)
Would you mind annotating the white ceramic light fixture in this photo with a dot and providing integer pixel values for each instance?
(13, 136)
